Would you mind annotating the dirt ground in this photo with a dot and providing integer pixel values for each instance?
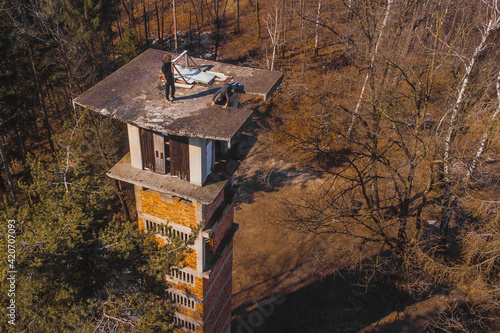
(285, 281)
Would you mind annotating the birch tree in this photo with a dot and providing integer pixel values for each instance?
(274, 25)
(316, 38)
(379, 36)
(489, 24)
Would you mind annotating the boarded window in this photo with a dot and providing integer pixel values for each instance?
(179, 156)
(147, 149)
(159, 147)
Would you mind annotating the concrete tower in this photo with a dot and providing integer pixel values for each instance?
(179, 163)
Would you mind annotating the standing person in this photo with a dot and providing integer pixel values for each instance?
(168, 75)
(222, 95)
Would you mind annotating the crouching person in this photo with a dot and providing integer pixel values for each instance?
(223, 95)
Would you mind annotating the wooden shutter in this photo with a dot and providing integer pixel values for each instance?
(167, 154)
(159, 149)
(179, 156)
(147, 149)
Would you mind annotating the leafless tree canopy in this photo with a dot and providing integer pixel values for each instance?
(404, 129)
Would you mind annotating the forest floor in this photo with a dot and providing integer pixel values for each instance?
(286, 281)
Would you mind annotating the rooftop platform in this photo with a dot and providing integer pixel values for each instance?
(133, 94)
(205, 194)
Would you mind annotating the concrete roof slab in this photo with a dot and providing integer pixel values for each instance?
(133, 94)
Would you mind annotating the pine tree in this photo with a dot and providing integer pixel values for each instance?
(84, 268)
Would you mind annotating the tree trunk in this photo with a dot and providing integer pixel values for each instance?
(316, 39)
(130, 17)
(196, 15)
(7, 172)
(189, 25)
(175, 24)
(273, 25)
(202, 11)
(349, 16)
(157, 11)
(257, 18)
(118, 187)
(146, 20)
(162, 20)
(46, 123)
(118, 19)
(237, 16)
(492, 26)
(370, 68)
(450, 200)
(484, 140)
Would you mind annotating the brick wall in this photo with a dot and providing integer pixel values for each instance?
(179, 212)
(225, 270)
(196, 290)
(190, 259)
(223, 322)
(141, 224)
(217, 295)
(222, 226)
(196, 314)
(211, 208)
(220, 313)
(174, 210)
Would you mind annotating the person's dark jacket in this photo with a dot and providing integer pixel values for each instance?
(166, 69)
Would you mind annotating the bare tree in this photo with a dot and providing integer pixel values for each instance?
(370, 66)
(238, 16)
(174, 14)
(316, 38)
(257, 18)
(490, 25)
(274, 25)
(429, 98)
(217, 12)
(145, 12)
(195, 9)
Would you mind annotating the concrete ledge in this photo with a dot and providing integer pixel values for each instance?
(205, 194)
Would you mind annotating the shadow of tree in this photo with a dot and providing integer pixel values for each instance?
(269, 182)
(342, 302)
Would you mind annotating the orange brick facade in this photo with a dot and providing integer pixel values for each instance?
(173, 210)
(210, 288)
(190, 260)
